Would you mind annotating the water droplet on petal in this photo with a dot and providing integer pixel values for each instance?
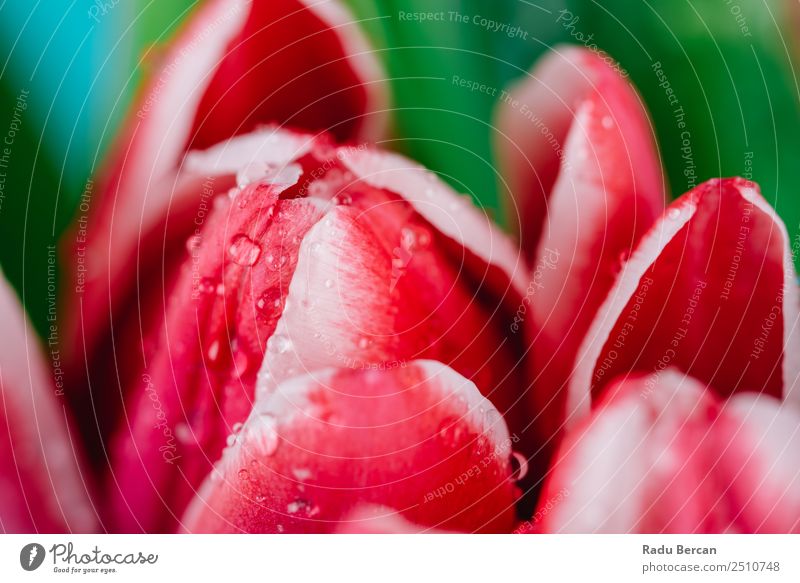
(213, 351)
(673, 213)
(451, 431)
(207, 285)
(237, 427)
(264, 434)
(302, 506)
(183, 433)
(279, 343)
(329, 283)
(607, 122)
(363, 342)
(519, 466)
(243, 250)
(301, 474)
(244, 474)
(269, 301)
(192, 243)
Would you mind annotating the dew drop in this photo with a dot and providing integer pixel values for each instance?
(269, 301)
(301, 474)
(343, 199)
(329, 283)
(230, 440)
(213, 351)
(363, 342)
(481, 446)
(183, 433)
(192, 243)
(607, 122)
(237, 427)
(207, 285)
(265, 433)
(673, 213)
(451, 432)
(302, 506)
(243, 250)
(244, 474)
(280, 344)
(519, 466)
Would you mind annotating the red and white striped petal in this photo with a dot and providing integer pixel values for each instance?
(662, 453)
(41, 486)
(453, 215)
(576, 149)
(419, 438)
(234, 66)
(332, 272)
(712, 291)
(197, 378)
(766, 470)
(574, 124)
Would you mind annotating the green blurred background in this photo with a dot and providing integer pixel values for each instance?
(69, 70)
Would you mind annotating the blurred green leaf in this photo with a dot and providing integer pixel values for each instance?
(730, 67)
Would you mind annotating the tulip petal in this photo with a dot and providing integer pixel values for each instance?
(198, 378)
(41, 486)
(663, 453)
(454, 216)
(331, 272)
(767, 472)
(575, 123)
(585, 172)
(233, 67)
(325, 443)
(711, 290)
(142, 262)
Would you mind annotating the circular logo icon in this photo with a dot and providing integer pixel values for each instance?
(31, 556)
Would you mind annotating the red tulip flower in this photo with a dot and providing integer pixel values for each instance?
(279, 326)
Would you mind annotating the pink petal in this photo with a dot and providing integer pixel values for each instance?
(766, 469)
(576, 148)
(711, 290)
(233, 67)
(663, 454)
(453, 215)
(340, 274)
(139, 267)
(41, 485)
(198, 378)
(575, 123)
(420, 439)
